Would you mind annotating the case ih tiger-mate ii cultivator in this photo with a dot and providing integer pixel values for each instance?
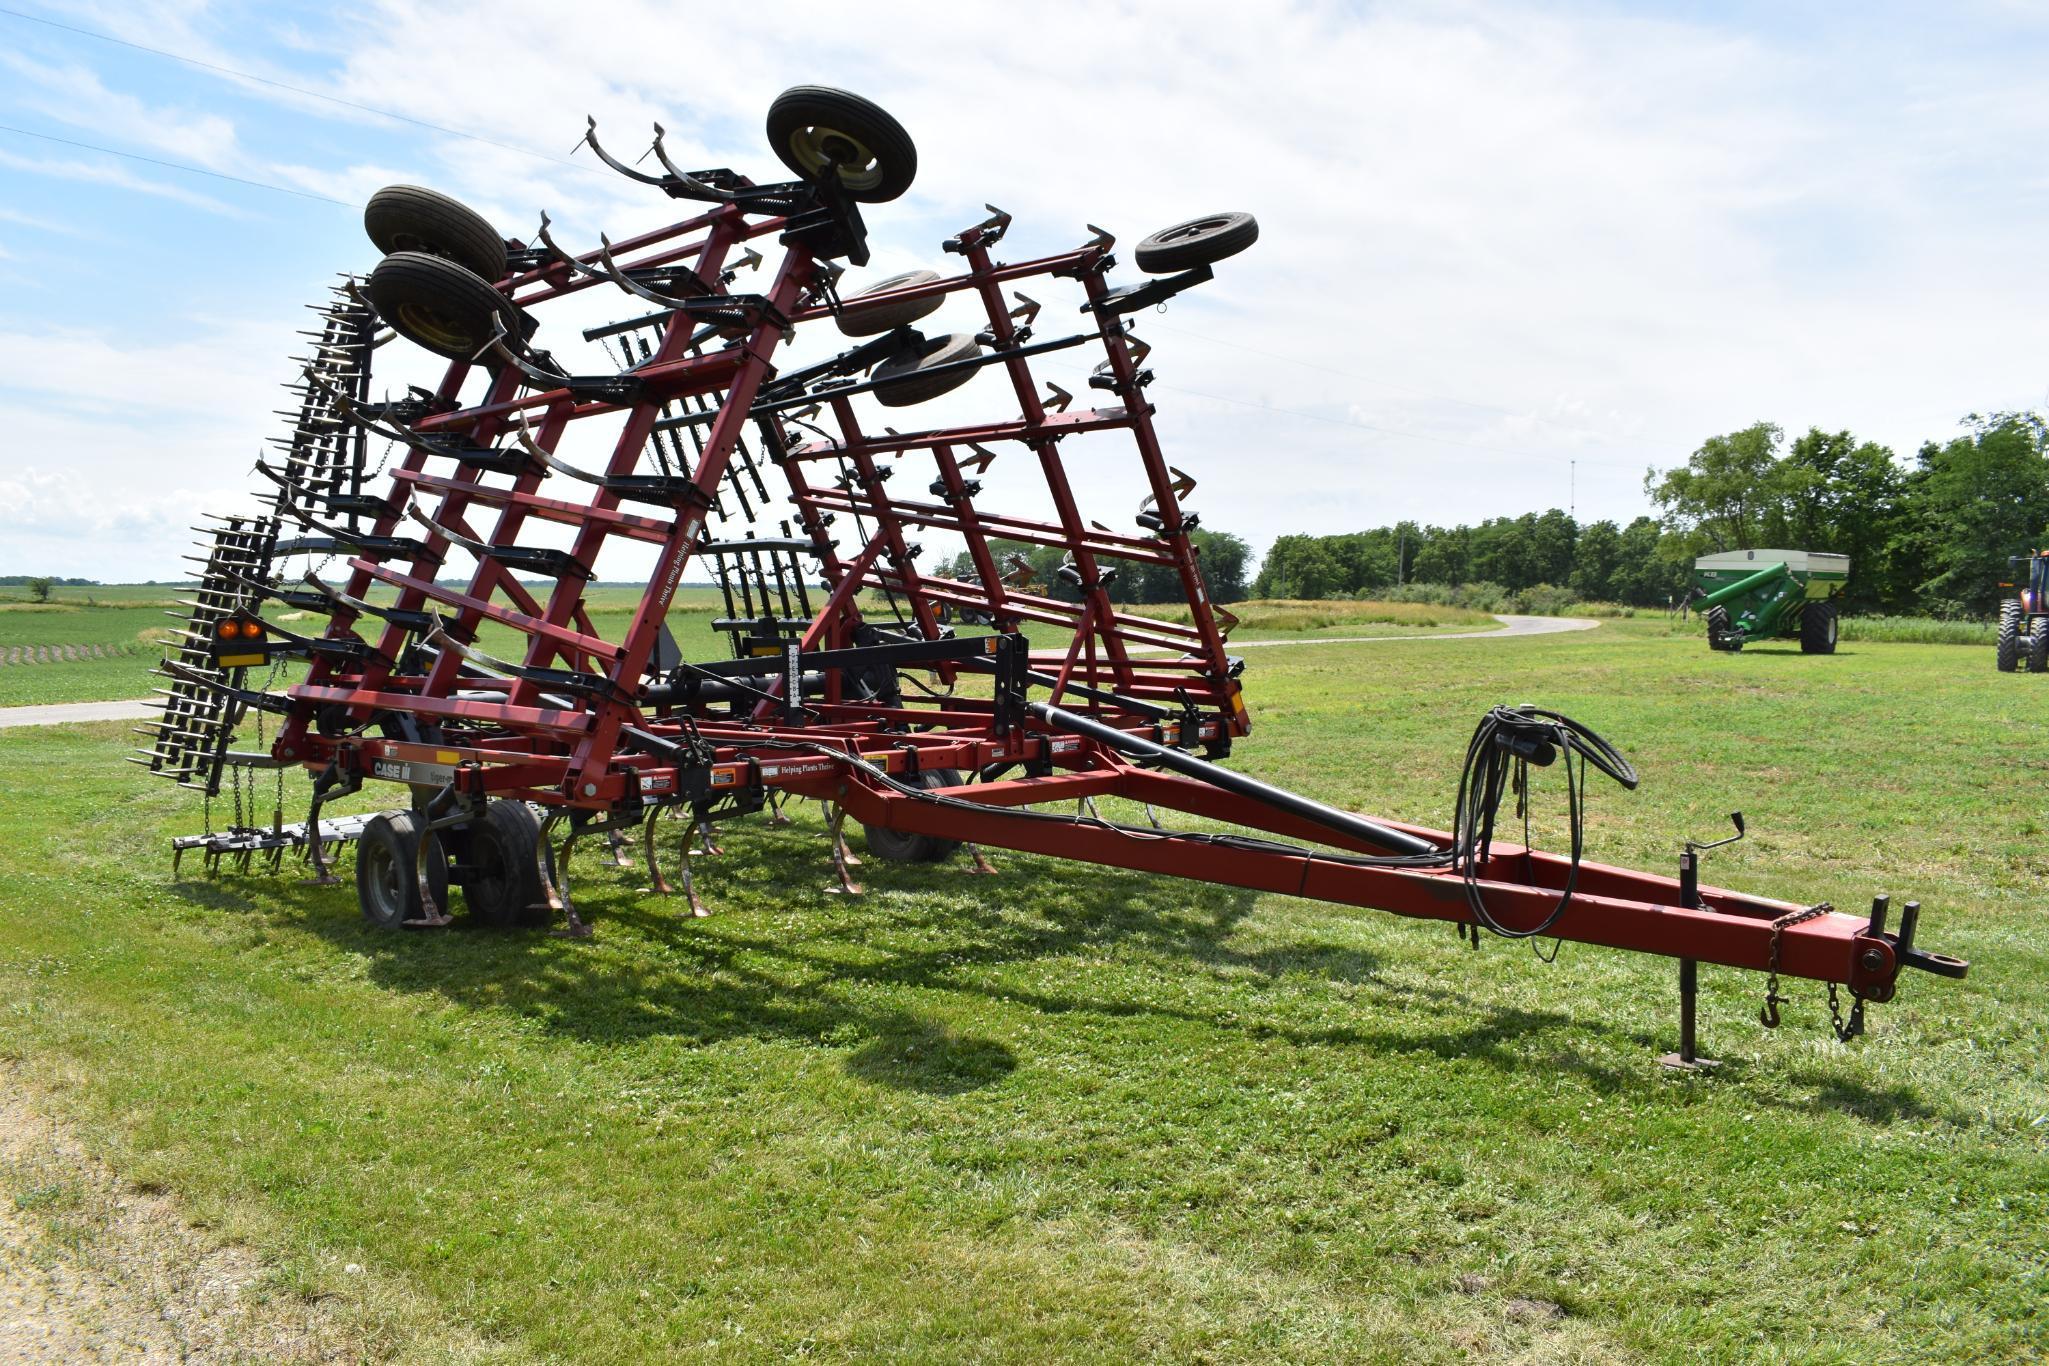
(779, 481)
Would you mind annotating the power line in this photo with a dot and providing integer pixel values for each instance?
(177, 166)
(296, 90)
(1345, 422)
(1368, 379)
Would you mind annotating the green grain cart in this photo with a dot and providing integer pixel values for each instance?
(1763, 594)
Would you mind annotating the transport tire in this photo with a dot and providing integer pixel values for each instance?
(1818, 628)
(1720, 635)
(2009, 654)
(438, 304)
(385, 853)
(503, 886)
(815, 127)
(876, 319)
(2038, 649)
(894, 846)
(911, 368)
(412, 218)
(1198, 242)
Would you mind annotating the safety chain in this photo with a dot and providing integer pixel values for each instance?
(1855, 1026)
(1769, 1016)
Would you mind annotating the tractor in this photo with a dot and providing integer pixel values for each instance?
(2024, 619)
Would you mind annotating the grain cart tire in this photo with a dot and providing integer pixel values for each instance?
(1198, 242)
(815, 127)
(928, 355)
(2038, 649)
(1819, 626)
(894, 846)
(385, 854)
(442, 306)
(503, 885)
(875, 319)
(1719, 635)
(410, 218)
(2009, 637)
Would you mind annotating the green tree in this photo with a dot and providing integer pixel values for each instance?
(1973, 501)
(1595, 556)
(39, 590)
(1720, 498)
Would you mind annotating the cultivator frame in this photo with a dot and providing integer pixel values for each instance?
(604, 735)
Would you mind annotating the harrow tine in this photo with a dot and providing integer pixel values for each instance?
(683, 179)
(704, 834)
(981, 860)
(842, 858)
(554, 883)
(562, 257)
(590, 139)
(616, 847)
(656, 883)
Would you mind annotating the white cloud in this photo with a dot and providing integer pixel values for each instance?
(109, 173)
(1495, 241)
(74, 94)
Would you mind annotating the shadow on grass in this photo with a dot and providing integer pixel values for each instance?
(794, 963)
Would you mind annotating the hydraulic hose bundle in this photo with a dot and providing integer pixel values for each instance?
(1504, 745)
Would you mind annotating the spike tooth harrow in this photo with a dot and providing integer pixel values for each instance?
(587, 733)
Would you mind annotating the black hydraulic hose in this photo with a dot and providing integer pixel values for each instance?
(1504, 745)
(1329, 817)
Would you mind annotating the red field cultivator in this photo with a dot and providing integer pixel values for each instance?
(780, 481)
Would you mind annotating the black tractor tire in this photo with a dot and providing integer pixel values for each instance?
(1819, 627)
(813, 127)
(412, 218)
(894, 846)
(2038, 648)
(875, 319)
(911, 366)
(1198, 242)
(1720, 635)
(447, 308)
(502, 886)
(2009, 637)
(386, 852)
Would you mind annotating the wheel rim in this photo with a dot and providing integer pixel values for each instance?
(383, 895)
(1194, 229)
(817, 148)
(431, 325)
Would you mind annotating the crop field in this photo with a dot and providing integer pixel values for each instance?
(1068, 1112)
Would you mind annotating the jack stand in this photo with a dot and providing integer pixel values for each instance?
(1688, 1058)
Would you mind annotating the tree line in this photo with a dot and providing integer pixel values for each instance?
(1928, 537)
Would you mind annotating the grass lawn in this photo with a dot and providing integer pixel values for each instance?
(1071, 1113)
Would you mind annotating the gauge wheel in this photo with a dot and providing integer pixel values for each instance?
(432, 301)
(875, 319)
(894, 846)
(1198, 242)
(817, 130)
(502, 882)
(914, 374)
(386, 853)
(412, 218)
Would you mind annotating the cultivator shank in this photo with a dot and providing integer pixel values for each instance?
(745, 438)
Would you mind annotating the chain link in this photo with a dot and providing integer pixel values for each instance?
(1769, 1016)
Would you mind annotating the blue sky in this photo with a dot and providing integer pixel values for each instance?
(1498, 239)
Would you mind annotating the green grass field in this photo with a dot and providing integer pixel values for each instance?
(1071, 1113)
